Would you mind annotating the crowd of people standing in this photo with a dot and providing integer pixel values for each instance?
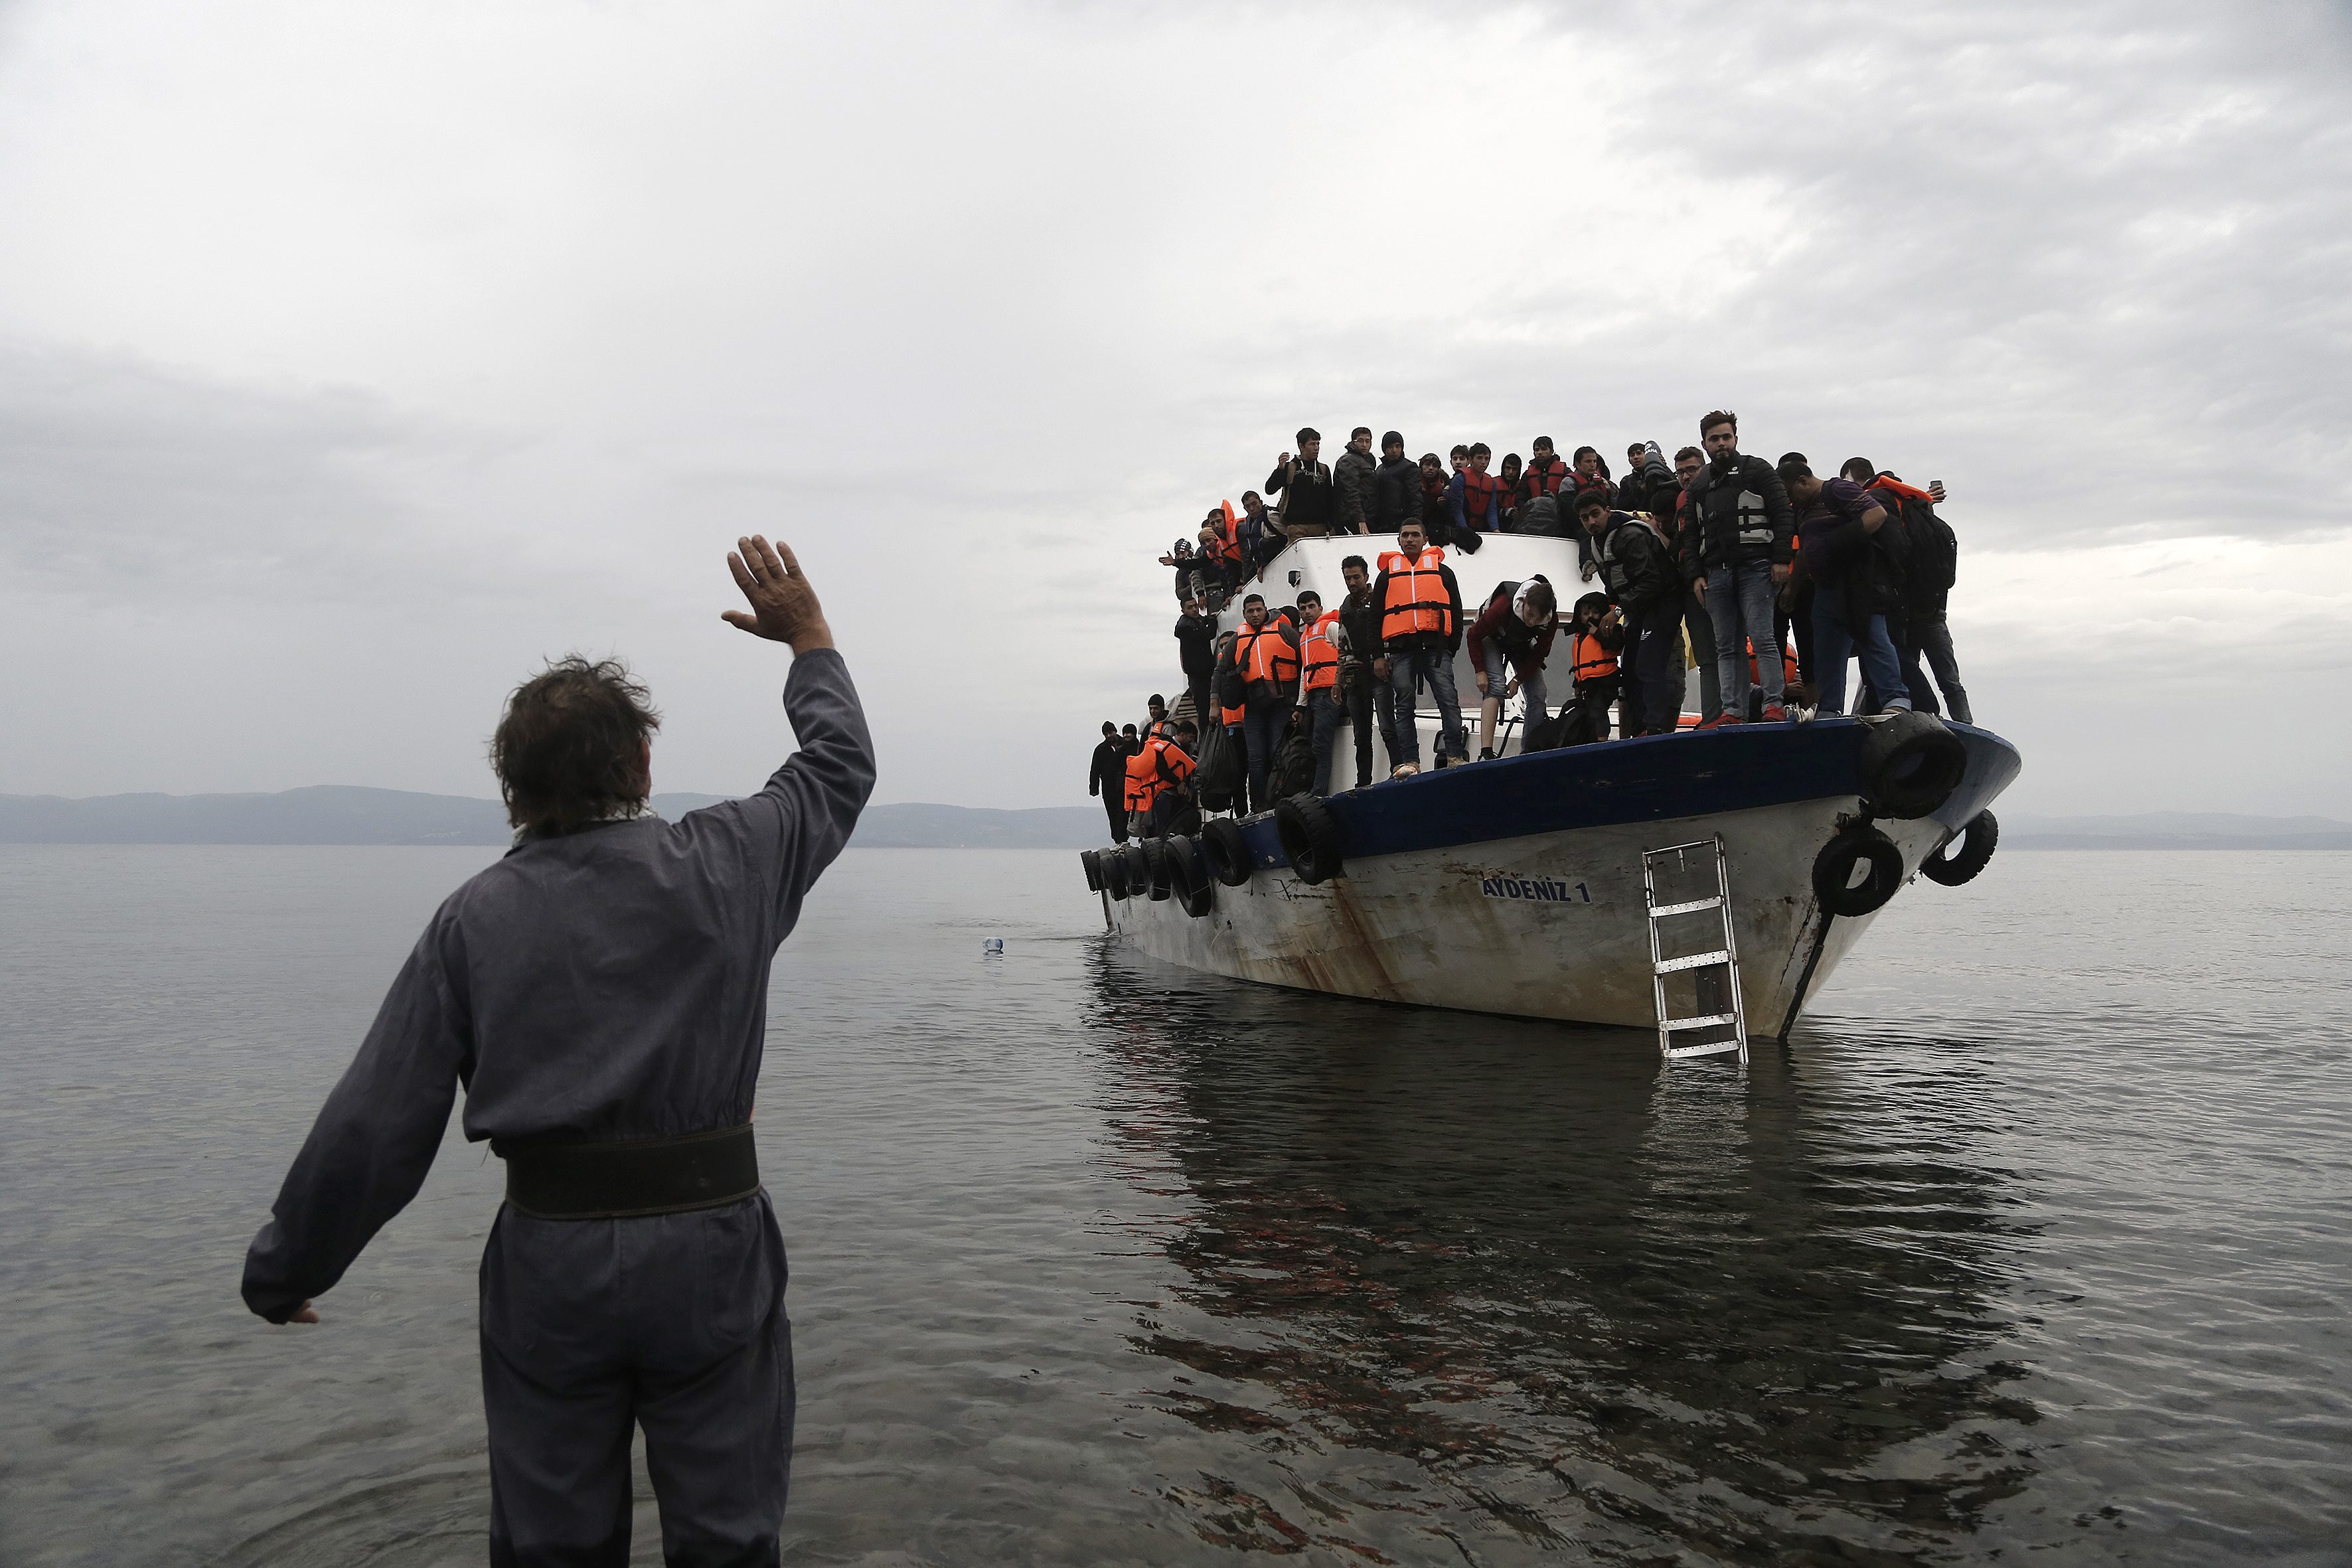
(1773, 577)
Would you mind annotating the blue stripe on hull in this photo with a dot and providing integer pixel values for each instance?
(1657, 778)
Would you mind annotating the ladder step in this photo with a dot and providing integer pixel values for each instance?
(1677, 1052)
(1708, 1022)
(1692, 908)
(1695, 961)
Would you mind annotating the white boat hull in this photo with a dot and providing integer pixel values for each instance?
(1552, 924)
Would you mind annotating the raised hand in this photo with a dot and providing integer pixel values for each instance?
(784, 606)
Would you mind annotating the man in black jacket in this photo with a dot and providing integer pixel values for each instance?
(1353, 501)
(1421, 628)
(1640, 577)
(1853, 585)
(1931, 556)
(1196, 638)
(1396, 487)
(1368, 699)
(1745, 539)
(1107, 777)
(1308, 502)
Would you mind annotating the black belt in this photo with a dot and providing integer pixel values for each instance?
(631, 1177)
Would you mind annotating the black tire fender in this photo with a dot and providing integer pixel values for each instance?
(1979, 838)
(1833, 870)
(1225, 852)
(1114, 869)
(1194, 890)
(1155, 867)
(1309, 837)
(1911, 764)
(1092, 860)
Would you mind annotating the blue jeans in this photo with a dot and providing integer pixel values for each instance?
(1406, 672)
(1325, 712)
(1739, 602)
(1531, 684)
(1834, 642)
(1262, 727)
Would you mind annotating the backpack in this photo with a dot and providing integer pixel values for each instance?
(1935, 549)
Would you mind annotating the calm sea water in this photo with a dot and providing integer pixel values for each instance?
(2034, 1246)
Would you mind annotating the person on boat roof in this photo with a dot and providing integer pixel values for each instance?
(601, 994)
(1309, 504)
(1396, 487)
(1474, 498)
(1352, 478)
(1640, 577)
(1436, 512)
(1420, 628)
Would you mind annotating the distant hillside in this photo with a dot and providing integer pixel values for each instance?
(2175, 830)
(351, 814)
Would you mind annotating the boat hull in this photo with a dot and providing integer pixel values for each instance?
(1515, 887)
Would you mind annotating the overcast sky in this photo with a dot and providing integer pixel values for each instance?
(355, 358)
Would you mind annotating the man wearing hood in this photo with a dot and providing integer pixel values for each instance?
(1396, 487)
(1745, 540)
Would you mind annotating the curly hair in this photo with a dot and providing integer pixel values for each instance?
(570, 748)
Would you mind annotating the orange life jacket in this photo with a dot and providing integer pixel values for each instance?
(1232, 716)
(1908, 492)
(1543, 479)
(1143, 779)
(1417, 599)
(1593, 662)
(1261, 654)
(1322, 653)
(1171, 766)
(1788, 665)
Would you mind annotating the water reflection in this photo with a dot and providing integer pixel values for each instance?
(1439, 1276)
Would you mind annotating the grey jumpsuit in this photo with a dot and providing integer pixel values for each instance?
(612, 982)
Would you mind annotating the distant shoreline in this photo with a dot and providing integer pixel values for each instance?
(357, 814)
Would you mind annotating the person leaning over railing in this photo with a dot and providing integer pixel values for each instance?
(1640, 577)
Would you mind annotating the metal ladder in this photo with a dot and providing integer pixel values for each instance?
(1724, 958)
